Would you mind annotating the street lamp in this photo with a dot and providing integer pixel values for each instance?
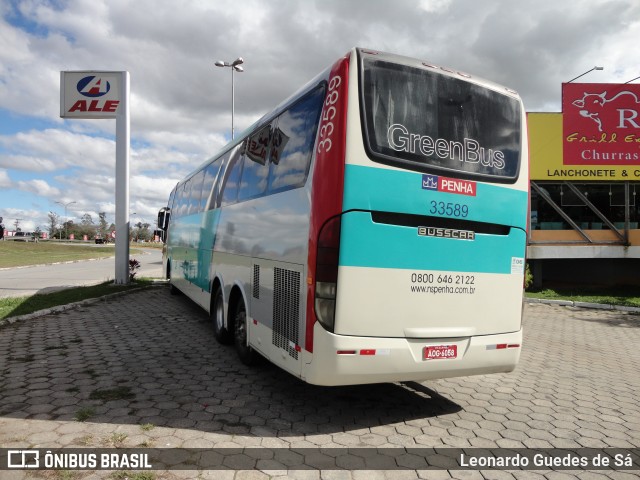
(235, 66)
(588, 71)
(66, 229)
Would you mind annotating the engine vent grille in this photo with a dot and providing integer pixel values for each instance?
(286, 307)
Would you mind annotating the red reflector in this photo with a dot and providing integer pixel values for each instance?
(500, 346)
(367, 352)
(346, 352)
(255, 322)
(298, 348)
(513, 345)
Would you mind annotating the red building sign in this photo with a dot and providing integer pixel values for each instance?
(601, 124)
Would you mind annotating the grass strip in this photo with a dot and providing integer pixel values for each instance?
(15, 306)
(20, 254)
(619, 296)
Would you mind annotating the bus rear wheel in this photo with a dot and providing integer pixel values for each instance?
(246, 354)
(222, 335)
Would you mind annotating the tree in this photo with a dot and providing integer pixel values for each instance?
(146, 234)
(103, 226)
(142, 232)
(54, 218)
(86, 227)
(68, 229)
(86, 220)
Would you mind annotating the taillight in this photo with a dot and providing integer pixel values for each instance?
(327, 273)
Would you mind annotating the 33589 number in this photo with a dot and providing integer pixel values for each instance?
(328, 114)
(448, 209)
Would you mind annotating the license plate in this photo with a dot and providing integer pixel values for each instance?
(439, 352)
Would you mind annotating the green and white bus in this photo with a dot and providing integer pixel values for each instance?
(371, 228)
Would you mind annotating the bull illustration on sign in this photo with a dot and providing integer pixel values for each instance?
(592, 104)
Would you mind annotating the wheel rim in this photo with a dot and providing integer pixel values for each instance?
(241, 328)
(219, 314)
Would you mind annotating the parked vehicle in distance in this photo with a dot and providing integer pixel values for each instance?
(23, 237)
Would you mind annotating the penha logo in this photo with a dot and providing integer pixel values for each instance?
(449, 185)
(93, 86)
(430, 182)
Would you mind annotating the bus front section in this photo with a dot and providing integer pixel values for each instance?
(420, 275)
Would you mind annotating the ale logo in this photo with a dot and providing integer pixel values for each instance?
(92, 94)
(93, 86)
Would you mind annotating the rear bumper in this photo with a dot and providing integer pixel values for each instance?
(376, 360)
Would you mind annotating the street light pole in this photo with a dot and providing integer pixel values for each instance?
(583, 74)
(235, 66)
(66, 228)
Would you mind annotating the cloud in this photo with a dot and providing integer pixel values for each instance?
(5, 181)
(38, 187)
(56, 149)
(27, 219)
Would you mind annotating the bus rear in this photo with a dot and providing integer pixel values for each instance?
(419, 271)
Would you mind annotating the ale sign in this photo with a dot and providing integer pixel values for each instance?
(90, 94)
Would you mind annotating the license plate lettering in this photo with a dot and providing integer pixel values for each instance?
(439, 352)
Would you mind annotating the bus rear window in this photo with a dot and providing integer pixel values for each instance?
(429, 122)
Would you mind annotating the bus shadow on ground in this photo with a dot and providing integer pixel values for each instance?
(612, 319)
(165, 369)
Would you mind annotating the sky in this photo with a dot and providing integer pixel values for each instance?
(181, 103)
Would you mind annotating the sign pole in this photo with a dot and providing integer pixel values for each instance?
(123, 137)
(92, 94)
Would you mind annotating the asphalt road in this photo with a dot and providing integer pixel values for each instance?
(24, 281)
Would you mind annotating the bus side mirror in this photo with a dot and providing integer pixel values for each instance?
(163, 219)
(163, 223)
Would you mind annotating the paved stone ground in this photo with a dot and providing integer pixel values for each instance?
(144, 370)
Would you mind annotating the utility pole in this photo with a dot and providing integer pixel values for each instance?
(17, 223)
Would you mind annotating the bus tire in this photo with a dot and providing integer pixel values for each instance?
(246, 354)
(220, 332)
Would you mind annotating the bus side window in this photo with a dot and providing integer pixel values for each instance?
(176, 201)
(292, 143)
(232, 173)
(208, 187)
(186, 198)
(255, 171)
(195, 192)
(181, 200)
(172, 198)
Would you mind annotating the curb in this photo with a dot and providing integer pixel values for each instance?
(81, 303)
(57, 263)
(593, 306)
